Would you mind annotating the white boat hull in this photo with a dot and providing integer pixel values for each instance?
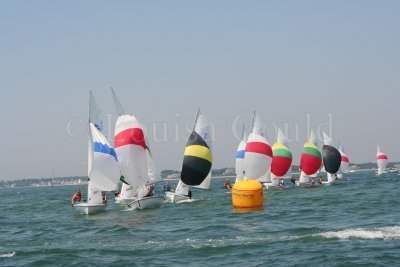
(147, 203)
(174, 198)
(124, 201)
(87, 209)
(271, 186)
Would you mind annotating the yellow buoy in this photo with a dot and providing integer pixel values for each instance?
(247, 194)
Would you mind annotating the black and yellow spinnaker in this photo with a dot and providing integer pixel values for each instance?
(196, 161)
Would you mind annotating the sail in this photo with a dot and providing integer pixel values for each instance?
(118, 107)
(266, 178)
(381, 160)
(310, 161)
(126, 191)
(94, 117)
(304, 178)
(104, 174)
(197, 158)
(130, 147)
(182, 188)
(281, 156)
(330, 156)
(154, 175)
(94, 194)
(258, 152)
(239, 166)
(344, 165)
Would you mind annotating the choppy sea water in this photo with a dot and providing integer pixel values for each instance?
(351, 223)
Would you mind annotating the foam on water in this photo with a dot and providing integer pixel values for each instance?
(8, 255)
(359, 233)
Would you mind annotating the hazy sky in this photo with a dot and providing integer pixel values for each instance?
(285, 59)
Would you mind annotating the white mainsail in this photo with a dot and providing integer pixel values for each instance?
(240, 152)
(103, 171)
(104, 174)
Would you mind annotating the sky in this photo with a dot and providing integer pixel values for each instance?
(334, 64)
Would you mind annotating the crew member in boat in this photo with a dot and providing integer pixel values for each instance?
(320, 180)
(150, 191)
(189, 194)
(228, 185)
(281, 183)
(76, 198)
(167, 187)
(293, 180)
(105, 198)
(312, 182)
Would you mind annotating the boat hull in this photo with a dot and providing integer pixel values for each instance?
(272, 186)
(147, 203)
(174, 198)
(124, 201)
(88, 209)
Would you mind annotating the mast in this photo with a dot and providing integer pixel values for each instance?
(118, 107)
(197, 117)
(89, 137)
(254, 118)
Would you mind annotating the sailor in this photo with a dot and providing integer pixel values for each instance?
(150, 191)
(281, 183)
(312, 182)
(166, 187)
(76, 198)
(228, 185)
(320, 180)
(105, 198)
(293, 180)
(189, 194)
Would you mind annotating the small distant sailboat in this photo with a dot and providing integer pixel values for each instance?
(197, 161)
(103, 171)
(381, 160)
(133, 158)
(281, 166)
(310, 161)
(331, 158)
(240, 152)
(344, 165)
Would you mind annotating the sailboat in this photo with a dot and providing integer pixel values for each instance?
(310, 161)
(344, 165)
(281, 166)
(381, 160)
(331, 158)
(240, 152)
(258, 155)
(134, 158)
(248, 193)
(103, 171)
(197, 161)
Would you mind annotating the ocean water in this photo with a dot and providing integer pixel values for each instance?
(351, 223)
